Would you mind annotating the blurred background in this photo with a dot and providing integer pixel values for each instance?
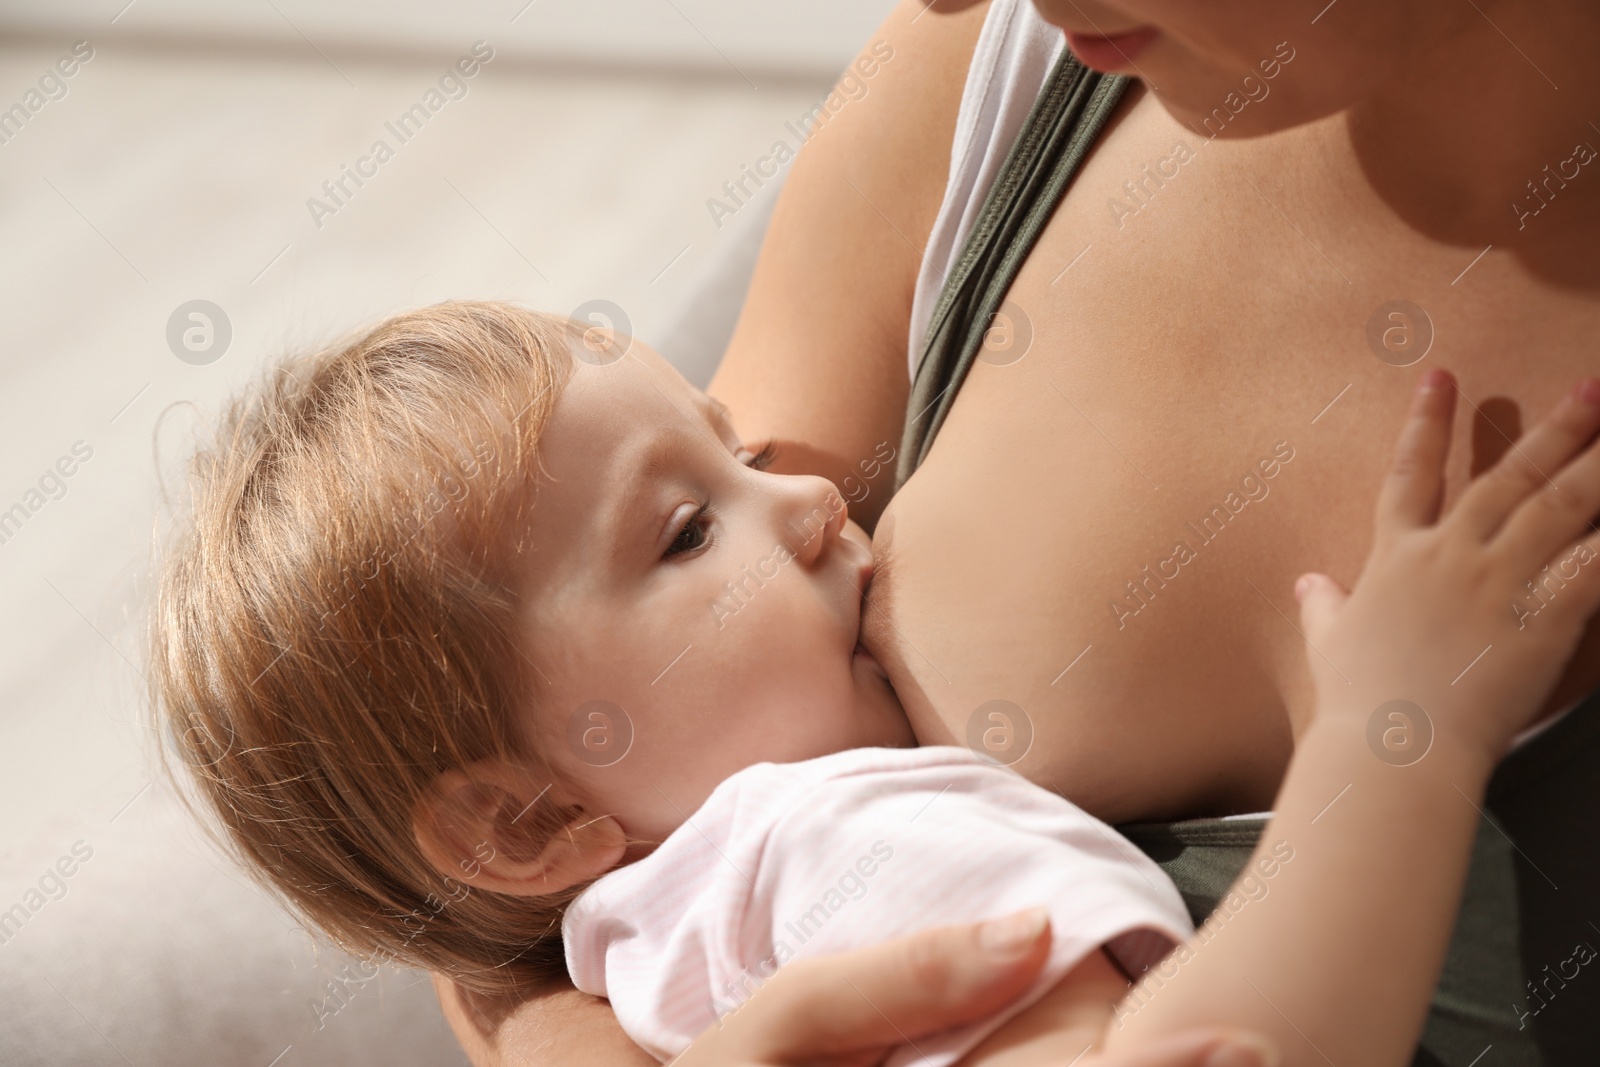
(190, 188)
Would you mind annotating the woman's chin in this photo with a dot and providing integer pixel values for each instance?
(1115, 54)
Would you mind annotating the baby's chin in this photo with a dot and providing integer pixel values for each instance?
(878, 703)
(861, 659)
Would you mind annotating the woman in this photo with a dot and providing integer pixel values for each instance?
(848, 1010)
(1291, 206)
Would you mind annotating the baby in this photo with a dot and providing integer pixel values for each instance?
(444, 648)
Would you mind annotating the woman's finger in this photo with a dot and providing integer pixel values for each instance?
(1527, 465)
(1411, 494)
(882, 996)
(915, 986)
(1198, 1048)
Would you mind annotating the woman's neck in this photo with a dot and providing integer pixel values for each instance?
(1493, 136)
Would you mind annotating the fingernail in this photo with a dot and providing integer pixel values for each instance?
(1245, 1050)
(1301, 585)
(1013, 935)
(1588, 391)
(1435, 379)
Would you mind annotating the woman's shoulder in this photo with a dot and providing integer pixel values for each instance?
(817, 360)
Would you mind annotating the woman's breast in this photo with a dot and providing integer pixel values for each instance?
(1110, 554)
(1091, 573)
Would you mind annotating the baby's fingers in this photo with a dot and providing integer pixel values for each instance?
(1529, 464)
(1411, 494)
(1558, 513)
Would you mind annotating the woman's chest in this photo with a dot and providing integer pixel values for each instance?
(1186, 404)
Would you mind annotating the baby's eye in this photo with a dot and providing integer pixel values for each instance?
(762, 459)
(693, 535)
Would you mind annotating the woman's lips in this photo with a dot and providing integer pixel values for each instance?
(1110, 53)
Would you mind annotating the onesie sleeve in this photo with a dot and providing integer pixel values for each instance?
(874, 853)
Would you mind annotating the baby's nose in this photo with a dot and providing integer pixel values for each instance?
(818, 515)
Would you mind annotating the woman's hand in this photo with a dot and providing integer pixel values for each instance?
(1472, 617)
(852, 1009)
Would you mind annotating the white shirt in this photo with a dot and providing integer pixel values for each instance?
(836, 853)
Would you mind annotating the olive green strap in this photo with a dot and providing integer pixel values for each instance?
(1063, 123)
(1203, 857)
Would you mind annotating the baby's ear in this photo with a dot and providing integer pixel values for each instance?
(492, 826)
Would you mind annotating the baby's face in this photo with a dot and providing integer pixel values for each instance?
(713, 607)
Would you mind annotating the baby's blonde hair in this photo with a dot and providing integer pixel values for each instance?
(339, 624)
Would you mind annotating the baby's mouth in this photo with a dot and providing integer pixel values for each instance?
(870, 661)
(863, 582)
(861, 651)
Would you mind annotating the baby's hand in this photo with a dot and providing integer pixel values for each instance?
(1442, 615)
